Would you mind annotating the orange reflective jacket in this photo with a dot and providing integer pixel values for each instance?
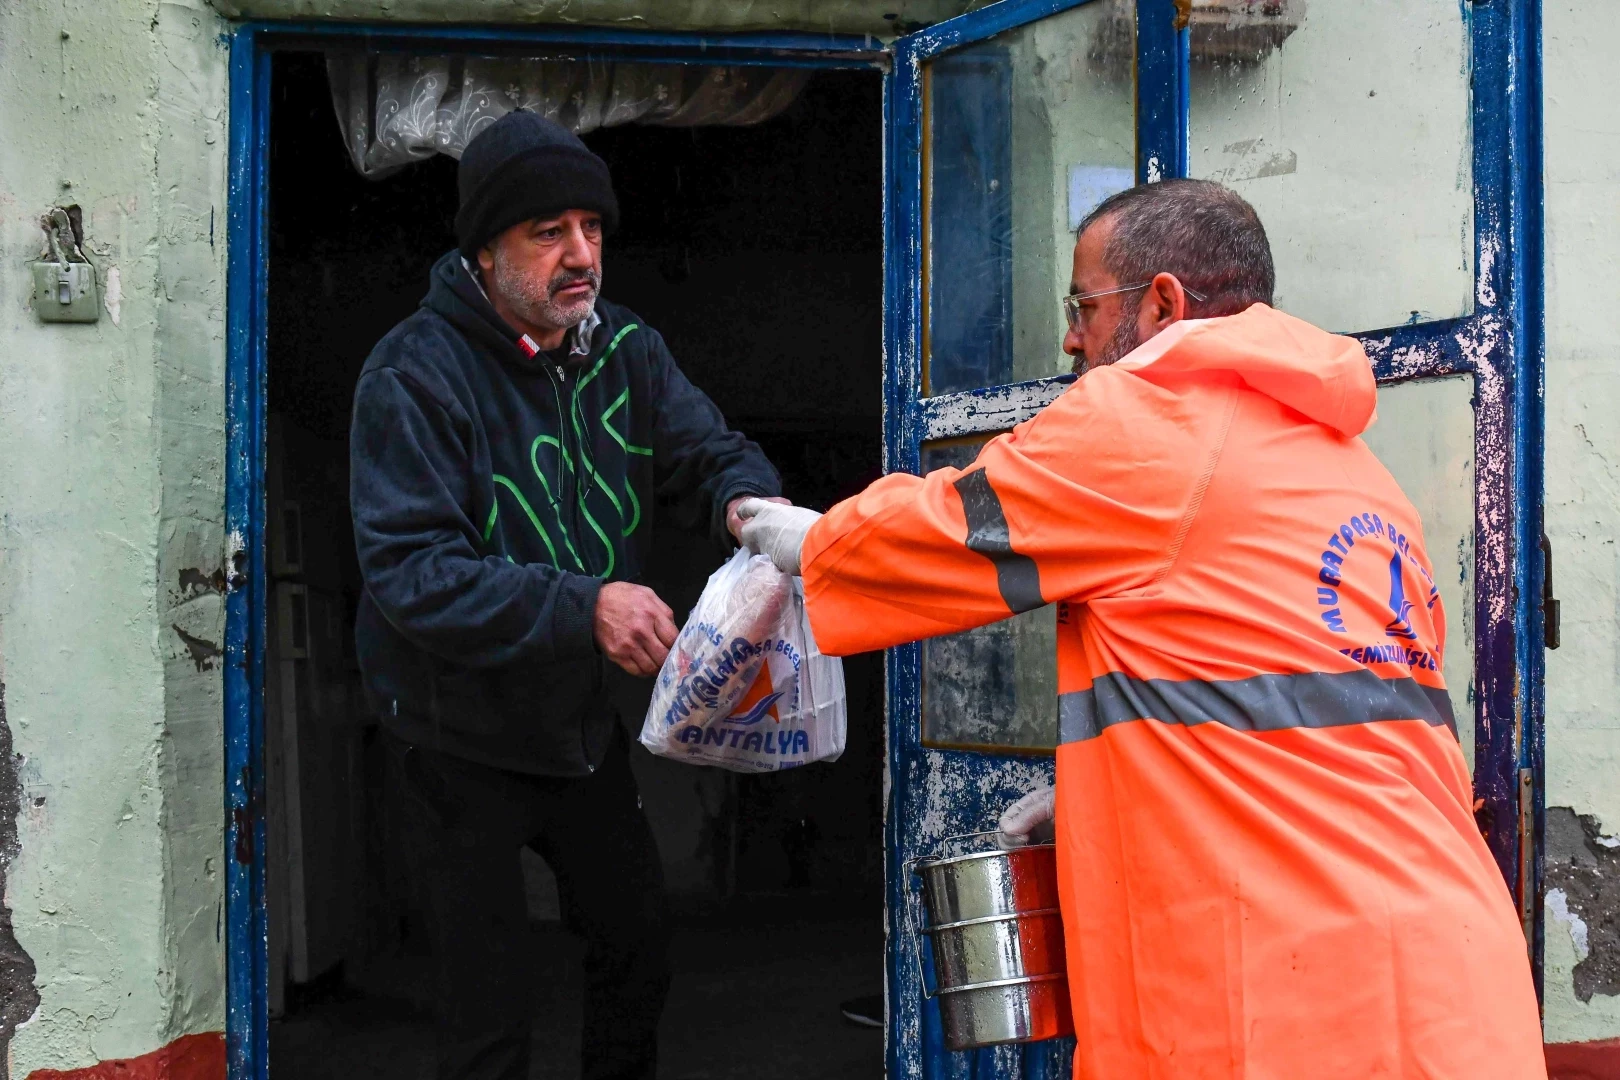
(1270, 868)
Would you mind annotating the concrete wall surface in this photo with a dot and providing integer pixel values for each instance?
(1583, 521)
(884, 18)
(111, 505)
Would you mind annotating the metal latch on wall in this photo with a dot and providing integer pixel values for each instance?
(65, 283)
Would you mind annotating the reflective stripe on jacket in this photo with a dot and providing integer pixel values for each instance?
(1270, 867)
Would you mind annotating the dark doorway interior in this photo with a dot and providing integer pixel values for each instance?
(756, 252)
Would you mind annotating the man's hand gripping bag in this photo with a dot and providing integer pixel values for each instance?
(744, 687)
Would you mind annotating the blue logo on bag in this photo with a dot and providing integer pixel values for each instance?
(760, 710)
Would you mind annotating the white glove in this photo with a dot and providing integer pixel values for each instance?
(1021, 821)
(776, 530)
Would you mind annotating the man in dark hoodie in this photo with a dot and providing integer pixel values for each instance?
(509, 443)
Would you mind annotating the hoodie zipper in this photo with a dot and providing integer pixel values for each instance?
(559, 380)
(573, 451)
(575, 495)
(566, 476)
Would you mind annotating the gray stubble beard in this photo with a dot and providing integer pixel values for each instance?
(1120, 344)
(535, 300)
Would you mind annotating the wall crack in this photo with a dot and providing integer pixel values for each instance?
(203, 652)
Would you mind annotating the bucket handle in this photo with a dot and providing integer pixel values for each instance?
(954, 837)
(913, 898)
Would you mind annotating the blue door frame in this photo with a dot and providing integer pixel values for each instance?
(1500, 345)
(251, 48)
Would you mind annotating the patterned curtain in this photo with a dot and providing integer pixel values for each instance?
(398, 108)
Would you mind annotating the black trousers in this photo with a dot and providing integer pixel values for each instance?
(460, 826)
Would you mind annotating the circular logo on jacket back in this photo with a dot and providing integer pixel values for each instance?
(1384, 563)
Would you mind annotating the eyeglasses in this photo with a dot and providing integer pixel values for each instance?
(1076, 316)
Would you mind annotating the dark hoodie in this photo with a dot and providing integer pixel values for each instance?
(493, 494)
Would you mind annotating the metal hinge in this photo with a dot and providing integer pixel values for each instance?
(1551, 632)
(1527, 851)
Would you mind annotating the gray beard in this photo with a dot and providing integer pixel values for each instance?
(1120, 343)
(535, 300)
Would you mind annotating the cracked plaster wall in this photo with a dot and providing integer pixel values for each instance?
(112, 441)
(1583, 518)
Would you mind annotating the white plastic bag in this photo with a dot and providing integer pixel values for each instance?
(744, 686)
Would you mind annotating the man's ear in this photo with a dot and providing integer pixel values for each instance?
(486, 257)
(1165, 302)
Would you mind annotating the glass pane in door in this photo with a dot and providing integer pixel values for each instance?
(1425, 438)
(1346, 123)
(1022, 135)
(996, 686)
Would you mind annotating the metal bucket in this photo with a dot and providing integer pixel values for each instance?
(997, 942)
(997, 948)
(1022, 1010)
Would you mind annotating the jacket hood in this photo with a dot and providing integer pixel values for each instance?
(454, 294)
(1325, 376)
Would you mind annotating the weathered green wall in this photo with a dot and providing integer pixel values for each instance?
(111, 447)
(111, 459)
(1583, 519)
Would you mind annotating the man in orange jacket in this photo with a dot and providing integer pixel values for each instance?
(1268, 861)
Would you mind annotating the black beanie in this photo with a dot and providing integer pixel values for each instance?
(524, 166)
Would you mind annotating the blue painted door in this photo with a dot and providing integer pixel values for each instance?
(1007, 125)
